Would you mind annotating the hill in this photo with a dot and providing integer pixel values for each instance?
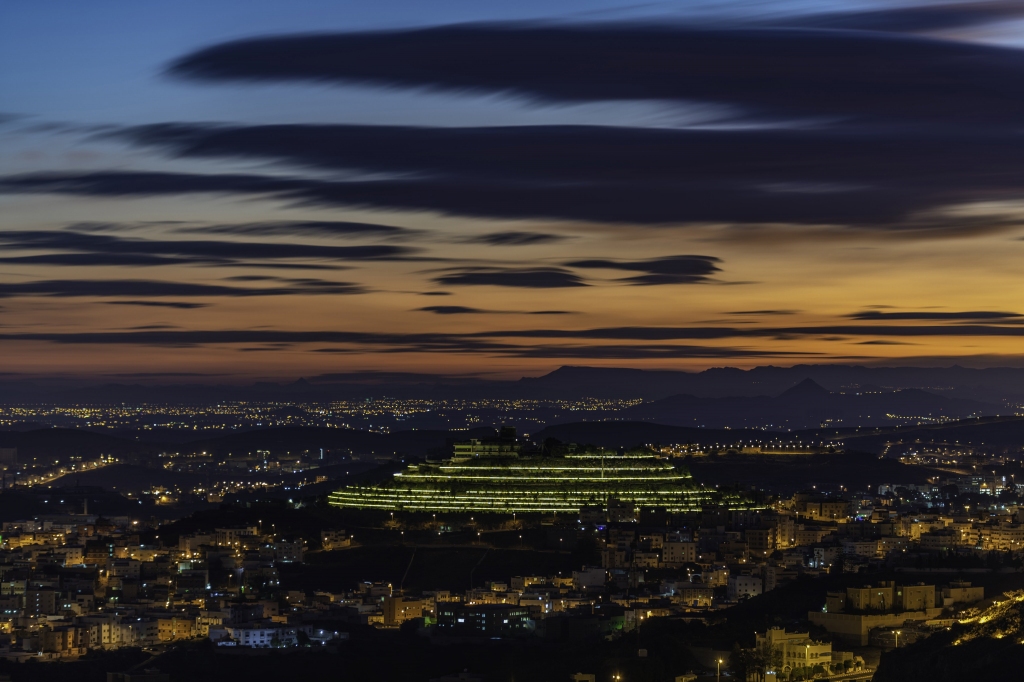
(985, 645)
(808, 405)
(855, 471)
(60, 445)
(1001, 434)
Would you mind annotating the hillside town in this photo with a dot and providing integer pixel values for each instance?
(80, 582)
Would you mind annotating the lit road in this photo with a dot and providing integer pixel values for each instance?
(862, 675)
(56, 474)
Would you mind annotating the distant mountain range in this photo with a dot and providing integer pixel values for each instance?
(808, 405)
(990, 385)
(993, 385)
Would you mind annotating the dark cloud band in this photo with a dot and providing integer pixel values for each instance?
(309, 228)
(668, 270)
(937, 315)
(764, 71)
(466, 310)
(635, 202)
(521, 278)
(179, 305)
(158, 289)
(76, 248)
(883, 178)
(515, 238)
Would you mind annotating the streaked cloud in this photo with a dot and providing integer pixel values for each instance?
(913, 18)
(180, 305)
(307, 228)
(466, 310)
(108, 288)
(936, 315)
(516, 238)
(77, 248)
(523, 278)
(667, 270)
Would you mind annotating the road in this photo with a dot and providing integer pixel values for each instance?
(57, 474)
(862, 675)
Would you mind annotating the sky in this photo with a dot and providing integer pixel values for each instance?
(268, 189)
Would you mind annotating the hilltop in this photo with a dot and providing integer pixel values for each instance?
(987, 644)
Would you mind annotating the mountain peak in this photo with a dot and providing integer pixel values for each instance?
(808, 388)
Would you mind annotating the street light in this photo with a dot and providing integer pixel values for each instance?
(897, 633)
(719, 675)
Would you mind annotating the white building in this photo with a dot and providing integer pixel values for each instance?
(743, 586)
(257, 636)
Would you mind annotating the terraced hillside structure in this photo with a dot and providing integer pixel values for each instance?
(546, 483)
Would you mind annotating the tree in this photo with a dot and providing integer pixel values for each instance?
(768, 658)
(740, 661)
(757, 662)
(410, 627)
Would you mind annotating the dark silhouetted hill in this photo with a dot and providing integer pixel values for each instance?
(53, 445)
(808, 405)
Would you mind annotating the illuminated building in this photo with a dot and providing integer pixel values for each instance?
(488, 620)
(510, 482)
(797, 649)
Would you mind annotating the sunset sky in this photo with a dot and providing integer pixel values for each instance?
(255, 189)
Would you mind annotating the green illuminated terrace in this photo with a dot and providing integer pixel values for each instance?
(549, 484)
